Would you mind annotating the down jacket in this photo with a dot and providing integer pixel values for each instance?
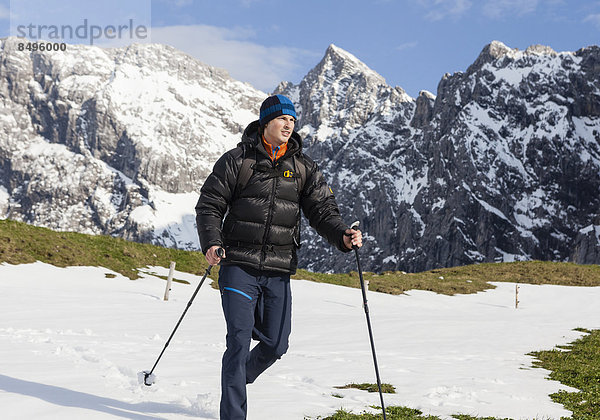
(259, 226)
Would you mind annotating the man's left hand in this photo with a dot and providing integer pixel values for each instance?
(352, 237)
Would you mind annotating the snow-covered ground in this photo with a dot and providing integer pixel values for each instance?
(72, 342)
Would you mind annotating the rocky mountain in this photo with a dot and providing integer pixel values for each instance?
(503, 164)
(114, 141)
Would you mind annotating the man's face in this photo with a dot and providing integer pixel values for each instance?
(278, 130)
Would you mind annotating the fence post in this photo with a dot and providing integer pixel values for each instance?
(516, 295)
(169, 279)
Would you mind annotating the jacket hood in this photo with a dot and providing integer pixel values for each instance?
(251, 136)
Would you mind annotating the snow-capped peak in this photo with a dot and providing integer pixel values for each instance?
(340, 62)
(497, 50)
(540, 50)
(427, 94)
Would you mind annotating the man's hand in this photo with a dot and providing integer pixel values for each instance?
(352, 237)
(211, 255)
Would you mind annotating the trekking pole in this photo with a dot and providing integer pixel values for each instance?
(364, 294)
(147, 377)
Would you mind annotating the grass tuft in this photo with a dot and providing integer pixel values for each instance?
(385, 388)
(576, 365)
(392, 413)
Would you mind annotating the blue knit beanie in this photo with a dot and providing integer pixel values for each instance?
(274, 106)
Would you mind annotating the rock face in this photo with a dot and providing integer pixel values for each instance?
(114, 141)
(503, 164)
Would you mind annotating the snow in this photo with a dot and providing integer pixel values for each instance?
(324, 132)
(438, 204)
(487, 206)
(479, 141)
(591, 228)
(588, 130)
(408, 183)
(4, 200)
(168, 215)
(508, 257)
(72, 342)
(390, 259)
(524, 210)
(356, 65)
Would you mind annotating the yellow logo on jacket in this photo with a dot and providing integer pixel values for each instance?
(288, 174)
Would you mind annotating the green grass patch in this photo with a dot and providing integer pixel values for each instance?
(467, 279)
(576, 365)
(22, 243)
(392, 413)
(385, 388)
(398, 413)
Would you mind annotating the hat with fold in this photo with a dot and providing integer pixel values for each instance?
(274, 106)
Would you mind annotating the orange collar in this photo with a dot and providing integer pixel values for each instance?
(274, 152)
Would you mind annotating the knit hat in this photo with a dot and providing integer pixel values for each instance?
(274, 106)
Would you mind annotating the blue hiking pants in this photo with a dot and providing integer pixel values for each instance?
(256, 305)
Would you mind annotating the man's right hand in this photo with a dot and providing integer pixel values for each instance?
(212, 257)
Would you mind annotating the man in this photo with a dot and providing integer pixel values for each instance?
(250, 206)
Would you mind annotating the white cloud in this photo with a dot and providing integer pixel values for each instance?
(500, 8)
(407, 45)
(442, 9)
(4, 12)
(594, 19)
(177, 3)
(261, 66)
(249, 3)
(437, 10)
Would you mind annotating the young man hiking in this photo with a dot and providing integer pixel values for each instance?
(250, 206)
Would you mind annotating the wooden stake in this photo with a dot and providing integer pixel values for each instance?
(169, 280)
(516, 295)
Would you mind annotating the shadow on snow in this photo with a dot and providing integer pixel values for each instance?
(69, 398)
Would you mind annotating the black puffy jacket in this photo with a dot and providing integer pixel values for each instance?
(258, 226)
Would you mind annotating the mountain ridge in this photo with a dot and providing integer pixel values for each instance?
(502, 164)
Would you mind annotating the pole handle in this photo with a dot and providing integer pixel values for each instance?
(354, 226)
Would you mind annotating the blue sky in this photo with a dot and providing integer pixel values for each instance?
(410, 43)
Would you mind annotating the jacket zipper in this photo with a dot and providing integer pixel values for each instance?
(263, 251)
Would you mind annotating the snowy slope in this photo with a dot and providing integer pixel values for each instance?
(114, 141)
(72, 341)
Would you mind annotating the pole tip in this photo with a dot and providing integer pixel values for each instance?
(146, 378)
